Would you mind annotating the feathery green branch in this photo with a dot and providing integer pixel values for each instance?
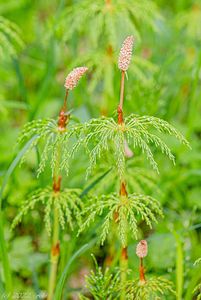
(128, 210)
(67, 203)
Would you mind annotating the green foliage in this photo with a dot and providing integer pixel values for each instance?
(164, 79)
(138, 178)
(190, 20)
(10, 38)
(152, 288)
(198, 261)
(104, 134)
(47, 132)
(106, 19)
(102, 285)
(124, 211)
(67, 203)
(103, 17)
(197, 289)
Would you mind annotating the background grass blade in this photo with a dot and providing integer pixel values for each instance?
(13, 166)
(3, 247)
(5, 260)
(94, 183)
(62, 280)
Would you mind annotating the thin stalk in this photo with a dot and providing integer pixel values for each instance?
(124, 251)
(141, 271)
(55, 249)
(123, 194)
(65, 101)
(121, 101)
(54, 255)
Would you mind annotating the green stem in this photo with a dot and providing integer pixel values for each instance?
(123, 194)
(124, 251)
(54, 255)
(123, 268)
(55, 250)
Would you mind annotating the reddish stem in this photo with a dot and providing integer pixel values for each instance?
(63, 118)
(142, 271)
(65, 101)
(120, 115)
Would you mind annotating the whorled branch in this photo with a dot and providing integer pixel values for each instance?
(136, 207)
(152, 288)
(67, 202)
(105, 134)
(48, 134)
(102, 284)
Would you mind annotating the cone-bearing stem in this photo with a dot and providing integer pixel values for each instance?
(122, 90)
(124, 251)
(121, 101)
(55, 249)
(63, 118)
(142, 271)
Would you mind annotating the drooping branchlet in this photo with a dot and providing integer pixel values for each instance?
(73, 77)
(126, 53)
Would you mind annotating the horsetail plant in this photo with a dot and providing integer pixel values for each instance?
(151, 288)
(64, 205)
(121, 210)
(106, 134)
(101, 285)
(105, 285)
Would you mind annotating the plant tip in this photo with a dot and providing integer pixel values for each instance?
(73, 77)
(126, 53)
(142, 249)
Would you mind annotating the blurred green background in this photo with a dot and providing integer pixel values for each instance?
(40, 43)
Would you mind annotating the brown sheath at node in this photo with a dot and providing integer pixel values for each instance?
(62, 122)
(120, 115)
(57, 185)
(56, 249)
(124, 253)
(123, 191)
(109, 49)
